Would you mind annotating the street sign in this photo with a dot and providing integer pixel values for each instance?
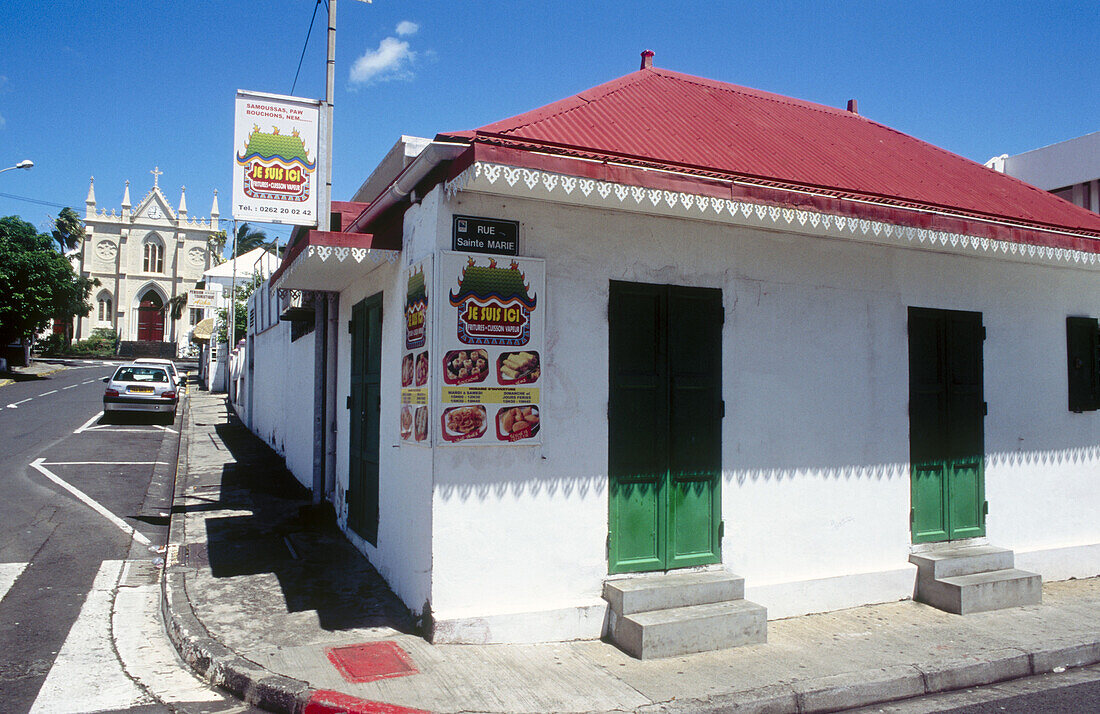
(471, 234)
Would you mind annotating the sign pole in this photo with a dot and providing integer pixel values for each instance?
(231, 328)
(325, 207)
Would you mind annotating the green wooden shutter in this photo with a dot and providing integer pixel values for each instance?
(1082, 353)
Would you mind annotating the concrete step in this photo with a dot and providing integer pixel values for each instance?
(980, 592)
(696, 628)
(951, 561)
(660, 592)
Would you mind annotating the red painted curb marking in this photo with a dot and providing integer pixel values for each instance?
(328, 702)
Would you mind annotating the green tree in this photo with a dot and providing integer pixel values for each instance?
(240, 316)
(37, 283)
(249, 238)
(216, 245)
(68, 230)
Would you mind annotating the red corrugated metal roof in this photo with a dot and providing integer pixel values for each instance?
(658, 117)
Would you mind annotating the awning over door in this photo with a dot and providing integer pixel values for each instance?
(329, 261)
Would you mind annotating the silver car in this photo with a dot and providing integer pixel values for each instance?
(137, 387)
(167, 364)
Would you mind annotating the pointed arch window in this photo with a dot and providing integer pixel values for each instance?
(153, 254)
(103, 307)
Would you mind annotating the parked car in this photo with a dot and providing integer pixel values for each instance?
(138, 387)
(168, 364)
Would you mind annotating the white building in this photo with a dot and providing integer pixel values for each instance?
(1069, 169)
(143, 257)
(743, 333)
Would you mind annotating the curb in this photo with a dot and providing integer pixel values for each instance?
(214, 662)
(860, 689)
(209, 659)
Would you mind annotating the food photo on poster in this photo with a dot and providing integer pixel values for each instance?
(462, 423)
(518, 367)
(464, 366)
(516, 423)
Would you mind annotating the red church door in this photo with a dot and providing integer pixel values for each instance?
(150, 318)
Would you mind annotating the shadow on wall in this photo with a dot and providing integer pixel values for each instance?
(317, 568)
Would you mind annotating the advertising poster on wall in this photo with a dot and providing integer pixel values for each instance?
(415, 357)
(275, 147)
(490, 350)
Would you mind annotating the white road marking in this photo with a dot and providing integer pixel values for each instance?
(9, 573)
(158, 426)
(89, 501)
(88, 381)
(146, 652)
(86, 676)
(88, 423)
(52, 391)
(15, 405)
(71, 386)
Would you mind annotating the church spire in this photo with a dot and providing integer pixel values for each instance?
(89, 202)
(126, 203)
(183, 201)
(214, 213)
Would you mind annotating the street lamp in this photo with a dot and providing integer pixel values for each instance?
(24, 164)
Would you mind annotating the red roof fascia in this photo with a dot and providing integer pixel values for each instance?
(328, 238)
(848, 205)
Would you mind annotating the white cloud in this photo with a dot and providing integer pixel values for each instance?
(392, 60)
(2, 121)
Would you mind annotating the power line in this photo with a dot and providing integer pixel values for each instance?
(33, 200)
(305, 45)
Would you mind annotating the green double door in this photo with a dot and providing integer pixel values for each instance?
(364, 404)
(664, 426)
(946, 424)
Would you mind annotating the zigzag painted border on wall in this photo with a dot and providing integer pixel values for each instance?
(697, 206)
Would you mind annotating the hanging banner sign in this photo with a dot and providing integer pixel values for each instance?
(490, 356)
(275, 147)
(201, 298)
(415, 362)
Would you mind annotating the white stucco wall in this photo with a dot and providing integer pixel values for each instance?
(282, 398)
(816, 490)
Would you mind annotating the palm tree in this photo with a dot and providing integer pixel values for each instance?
(249, 238)
(68, 230)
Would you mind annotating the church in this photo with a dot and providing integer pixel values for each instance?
(143, 257)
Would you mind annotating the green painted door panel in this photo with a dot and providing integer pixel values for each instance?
(365, 405)
(664, 426)
(946, 424)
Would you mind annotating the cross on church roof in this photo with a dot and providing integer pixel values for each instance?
(156, 175)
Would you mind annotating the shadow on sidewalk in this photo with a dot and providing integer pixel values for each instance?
(317, 567)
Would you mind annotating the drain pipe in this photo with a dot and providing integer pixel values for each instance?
(333, 334)
(399, 190)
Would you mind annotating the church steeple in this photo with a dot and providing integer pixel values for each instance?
(89, 202)
(126, 203)
(214, 212)
(182, 210)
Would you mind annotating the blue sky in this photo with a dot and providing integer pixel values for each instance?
(113, 89)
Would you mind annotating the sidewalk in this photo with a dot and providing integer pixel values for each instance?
(257, 596)
(37, 369)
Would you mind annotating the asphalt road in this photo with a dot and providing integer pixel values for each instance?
(83, 508)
